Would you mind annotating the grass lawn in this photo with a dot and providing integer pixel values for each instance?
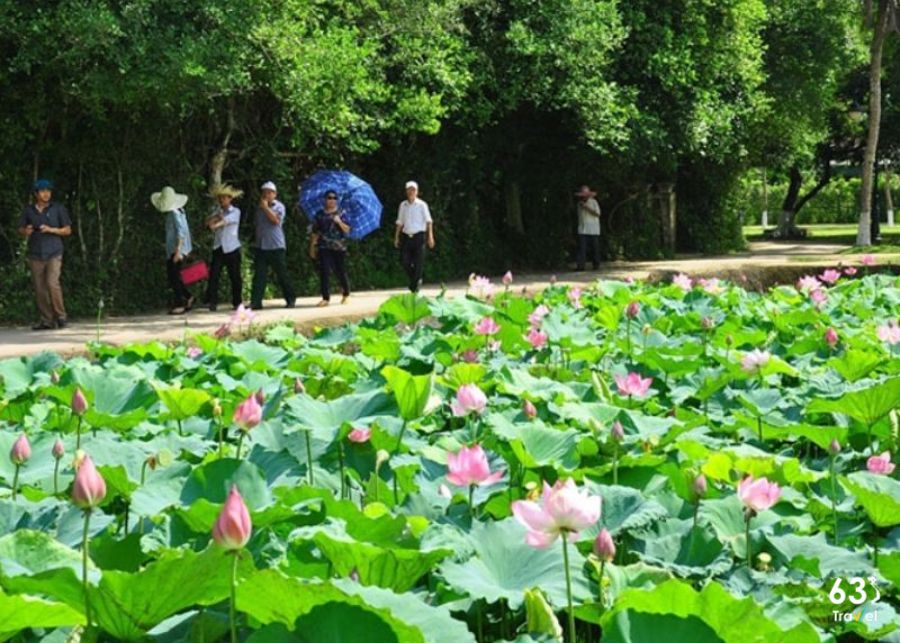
(844, 233)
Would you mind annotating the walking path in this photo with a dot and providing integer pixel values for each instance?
(120, 330)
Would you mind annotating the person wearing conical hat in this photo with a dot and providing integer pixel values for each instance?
(225, 222)
(178, 245)
(588, 227)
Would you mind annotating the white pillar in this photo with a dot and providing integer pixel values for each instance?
(890, 220)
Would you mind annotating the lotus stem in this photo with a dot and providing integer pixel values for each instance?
(600, 583)
(696, 511)
(471, 504)
(309, 459)
(221, 439)
(241, 442)
(616, 464)
(749, 548)
(759, 427)
(143, 472)
(84, 565)
(15, 484)
(231, 603)
(341, 464)
(180, 428)
(56, 478)
(565, 545)
(78, 434)
(400, 437)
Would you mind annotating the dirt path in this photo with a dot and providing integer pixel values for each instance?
(120, 330)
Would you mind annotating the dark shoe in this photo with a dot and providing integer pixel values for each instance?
(42, 326)
(290, 304)
(254, 307)
(62, 322)
(212, 308)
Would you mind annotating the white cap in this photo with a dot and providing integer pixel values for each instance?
(412, 184)
(268, 185)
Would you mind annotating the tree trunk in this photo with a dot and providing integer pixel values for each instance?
(888, 199)
(220, 158)
(864, 233)
(512, 194)
(765, 212)
(786, 227)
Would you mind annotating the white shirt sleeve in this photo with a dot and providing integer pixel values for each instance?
(427, 213)
(400, 217)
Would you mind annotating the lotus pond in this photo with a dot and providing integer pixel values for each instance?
(686, 462)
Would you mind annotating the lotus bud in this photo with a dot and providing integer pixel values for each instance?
(21, 451)
(381, 456)
(831, 337)
(80, 455)
(79, 402)
(232, 528)
(59, 450)
(152, 461)
(763, 561)
(834, 447)
(260, 397)
(729, 339)
(552, 280)
(707, 323)
(89, 488)
(646, 330)
(248, 414)
(617, 433)
(632, 309)
(298, 386)
(700, 486)
(54, 377)
(604, 546)
(507, 278)
(360, 435)
(529, 410)
(216, 409)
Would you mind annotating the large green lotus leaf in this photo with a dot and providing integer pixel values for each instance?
(161, 490)
(878, 495)
(407, 308)
(674, 365)
(463, 309)
(258, 356)
(623, 509)
(866, 405)
(568, 328)
(309, 413)
(182, 403)
(535, 444)
(585, 413)
(854, 364)
(889, 566)
(684, 550)
(637, 627)
(118, 396)
(504, 567)
(381, 344)
(27, 552)
(816, 557)
(726, 618)
(434, 621)
(519, 383)
(411, 392)
(338, 622)
(19, 612)
(726, 517)
(394, 568)
(17, 374)
(821, 436)
(760, 401)
(212, 482)
(271, 597)
(128, 605)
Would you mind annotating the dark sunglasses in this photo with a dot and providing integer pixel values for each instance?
(330, 198)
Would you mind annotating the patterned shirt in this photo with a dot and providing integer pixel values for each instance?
(331, 237)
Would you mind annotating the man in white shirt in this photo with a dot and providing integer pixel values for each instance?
(414, 228)
(588, 227)
(225, 222)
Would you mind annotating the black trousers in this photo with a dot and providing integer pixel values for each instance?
(333, 261)
(262, 260)
(583, 241)
(412, 258)
(180, 292)
(231, 261)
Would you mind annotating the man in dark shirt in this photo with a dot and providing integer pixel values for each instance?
(45, 223)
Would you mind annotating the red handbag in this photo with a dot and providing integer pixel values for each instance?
(193, 273)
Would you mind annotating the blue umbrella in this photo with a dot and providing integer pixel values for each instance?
(361, 207)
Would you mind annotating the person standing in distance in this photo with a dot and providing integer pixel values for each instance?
(271, 247)
(328, 246)
(414, 228)
(588, 227)
(44, 223)
(225, 222)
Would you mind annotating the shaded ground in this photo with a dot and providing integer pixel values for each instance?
(764, 263)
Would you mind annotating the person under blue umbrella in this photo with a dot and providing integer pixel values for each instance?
(328, 246)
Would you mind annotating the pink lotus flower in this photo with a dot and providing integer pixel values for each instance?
(808, 283)
(834, 447)
(233, 527)
(850, 271)
(617, 433)
(563, 511)
(881, 464)
(194, 352)
(222, 331)
(469, 356)
(507, 278)
(604, 546)
(79, 402)
(759, 494)
(632, 310)
(889, 333)
(818, 296)
(529, 410)
(21, 450)
(89, 488)
(683, 281)
(360, 435)
(633, 385)
(537, 338)
(469, 466)
(480, 287)
(712, 286)
(831, 337)
(754, 361)
(59, 450)
(469, 398)
(487, 326)
(700, 486)
(537, 316)
(574, 295)
(242, 315)
(248, 414)
(867, 260)
(830, 276)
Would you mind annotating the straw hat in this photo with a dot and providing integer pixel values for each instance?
(226, 189)
(168, 199)
(586, 192)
